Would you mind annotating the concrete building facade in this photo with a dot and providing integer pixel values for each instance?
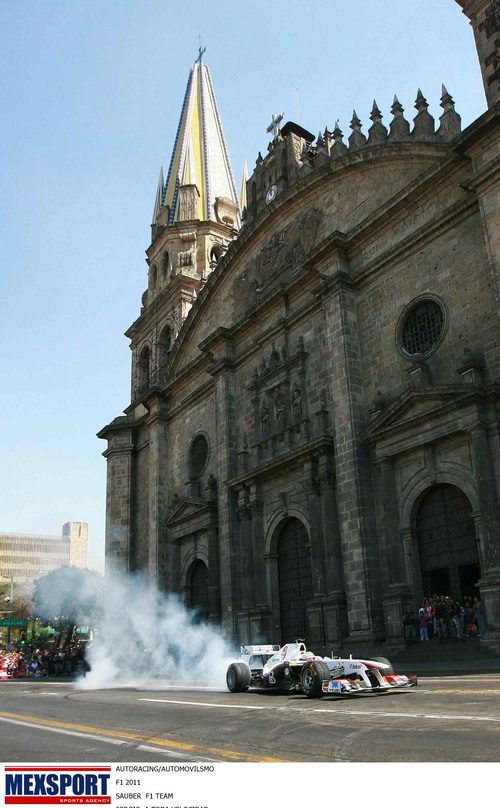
(313, 444)
(24, 557)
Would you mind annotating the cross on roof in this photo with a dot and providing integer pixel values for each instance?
(274, 125)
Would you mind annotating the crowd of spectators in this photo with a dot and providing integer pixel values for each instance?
(443, 618)
(36, 662)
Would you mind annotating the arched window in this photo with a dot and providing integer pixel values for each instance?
(164, 346)
(215, 254)
(153, 277)
(166, 265)
(198, 456)
(143, 370)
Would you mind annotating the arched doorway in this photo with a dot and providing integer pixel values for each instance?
(295, 579)
(449, 556)
(199, 589)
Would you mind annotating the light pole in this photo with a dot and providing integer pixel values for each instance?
(8, 600)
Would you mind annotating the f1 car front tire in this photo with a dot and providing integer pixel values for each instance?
(238, 677)
(313, 675)
(385, 662)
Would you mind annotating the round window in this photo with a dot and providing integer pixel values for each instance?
(198, 456)
(422, 327)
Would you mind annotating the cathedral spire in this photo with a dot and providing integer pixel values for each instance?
(199, 171)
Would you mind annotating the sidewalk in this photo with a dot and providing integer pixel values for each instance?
(448, 659)
(452, 667)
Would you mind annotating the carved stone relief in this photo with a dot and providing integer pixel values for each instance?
(283, 252)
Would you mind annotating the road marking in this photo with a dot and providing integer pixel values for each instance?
(208, 704)
(333, 711)
(116, 734)
(433, 716)
(472, 692)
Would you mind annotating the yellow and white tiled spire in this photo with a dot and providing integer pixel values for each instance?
(200, 156)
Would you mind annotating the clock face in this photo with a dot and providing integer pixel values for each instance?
(271, 193)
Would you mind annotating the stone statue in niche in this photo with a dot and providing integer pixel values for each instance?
(280, 411)
(264, 422)
(255, 290)
(275, 358)
(297, 405)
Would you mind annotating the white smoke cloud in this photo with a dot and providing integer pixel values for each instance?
(144, 637)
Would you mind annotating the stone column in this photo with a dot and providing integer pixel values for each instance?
(393, 543)
(488, 527)
(409, 540)
(272, 582)
(120, 552)
(316, 541)
(258, 550)
(335, 609)
(396, 598)
(157, 489)
(245, 550)
(213, 576)
(315, 620)
(226, 398)
(488, 499)
(352, 468)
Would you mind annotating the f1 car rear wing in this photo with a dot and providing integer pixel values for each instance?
(258, 650)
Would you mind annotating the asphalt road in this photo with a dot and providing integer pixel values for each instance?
(444, 719)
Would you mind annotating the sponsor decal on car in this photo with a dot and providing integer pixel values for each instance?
(331, 687)
(68, 785)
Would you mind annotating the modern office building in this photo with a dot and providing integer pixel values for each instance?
(24, 557)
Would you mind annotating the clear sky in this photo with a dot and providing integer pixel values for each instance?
(90, 97)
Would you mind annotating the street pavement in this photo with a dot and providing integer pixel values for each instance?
(446, 718)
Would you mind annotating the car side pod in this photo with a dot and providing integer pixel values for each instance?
(238, 677)
(312, 678)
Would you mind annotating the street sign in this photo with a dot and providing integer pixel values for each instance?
(11, 622)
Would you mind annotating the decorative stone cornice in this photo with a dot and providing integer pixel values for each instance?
(285, 460)
(449, 397)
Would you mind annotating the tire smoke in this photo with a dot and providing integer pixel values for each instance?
(143, 637)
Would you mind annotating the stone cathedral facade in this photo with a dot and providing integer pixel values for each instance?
(312, 442)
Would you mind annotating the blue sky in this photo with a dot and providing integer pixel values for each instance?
(90, 97)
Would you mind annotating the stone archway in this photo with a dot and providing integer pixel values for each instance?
(199, 589)
(449, 557)
(295, 579)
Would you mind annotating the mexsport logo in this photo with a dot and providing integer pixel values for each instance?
(60, 785)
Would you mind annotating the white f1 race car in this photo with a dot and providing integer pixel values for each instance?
(293, 668)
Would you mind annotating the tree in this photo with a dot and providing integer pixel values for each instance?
(69, 596)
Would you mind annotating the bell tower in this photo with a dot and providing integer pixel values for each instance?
(196, 215)
(484, 16)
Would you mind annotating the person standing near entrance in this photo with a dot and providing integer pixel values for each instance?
(423, 620)
(441, 613)
(479, 616)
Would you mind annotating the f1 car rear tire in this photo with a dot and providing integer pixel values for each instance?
(385, 662)
(313, 675)
(238, 677)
